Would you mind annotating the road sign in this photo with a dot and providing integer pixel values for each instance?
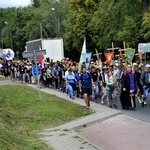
(27, 54)
(40, 52)
(36, 70)
(31, 54)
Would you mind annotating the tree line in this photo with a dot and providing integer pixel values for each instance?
(100, 21)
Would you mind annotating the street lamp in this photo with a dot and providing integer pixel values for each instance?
(2, 32)
(57, 20)
(11, 39)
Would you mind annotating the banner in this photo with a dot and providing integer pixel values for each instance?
(9, 54)
(130, 54)
(41, 61)
(86, 57)
(81, 56)
(144, 47)
(109, 57)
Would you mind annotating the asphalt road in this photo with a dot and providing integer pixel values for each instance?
(142, 113)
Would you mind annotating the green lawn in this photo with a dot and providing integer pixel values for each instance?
(22, 115)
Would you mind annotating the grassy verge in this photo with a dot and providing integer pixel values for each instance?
(22, 115)
(3, 78)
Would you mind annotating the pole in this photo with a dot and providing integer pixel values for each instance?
(124, 46)
(145, 57)
(37, 76)
(11, 39)
(2, 37)
(41, 31)
(114, 54)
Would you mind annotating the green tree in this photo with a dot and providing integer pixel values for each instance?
(77, 24)
(116, 21)
(35, 3)
(146, 25)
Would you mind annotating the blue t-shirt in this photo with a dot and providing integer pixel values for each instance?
(86, 80)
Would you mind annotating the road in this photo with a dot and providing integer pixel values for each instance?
(142, 113)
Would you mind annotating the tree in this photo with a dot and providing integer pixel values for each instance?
(116, 21)
(79, 15)
(145, 4)
(35, 3)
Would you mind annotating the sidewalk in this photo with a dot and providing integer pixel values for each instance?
(106, 129)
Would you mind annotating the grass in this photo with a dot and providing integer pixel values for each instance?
(22, 115)
(3, 78)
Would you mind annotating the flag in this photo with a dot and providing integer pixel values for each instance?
(81, 56)
(109, 57)
(41, 61)
(130, 54)
(86, 58)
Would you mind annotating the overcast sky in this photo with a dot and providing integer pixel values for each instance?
(14, 3)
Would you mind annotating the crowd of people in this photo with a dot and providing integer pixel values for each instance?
(98, 82)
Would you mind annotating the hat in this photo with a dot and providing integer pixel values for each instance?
(147, 65)
(135, 64)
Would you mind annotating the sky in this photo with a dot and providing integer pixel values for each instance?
(14, 3)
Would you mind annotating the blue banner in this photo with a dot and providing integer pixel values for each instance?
(86, 57)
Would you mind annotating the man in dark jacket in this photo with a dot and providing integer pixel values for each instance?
(128, 90)
(145, 82)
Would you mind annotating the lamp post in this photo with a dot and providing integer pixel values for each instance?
(57, 20)
(2, 33)
(10, 32)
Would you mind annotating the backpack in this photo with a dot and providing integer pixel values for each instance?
(81, 78)
(146, 81)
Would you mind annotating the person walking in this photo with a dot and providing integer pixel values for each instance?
(55, 73)
(95, 91)
(71, 83)
(85, 85)
(128, 90)
(49, 76)
(145, 82)
(110, 87)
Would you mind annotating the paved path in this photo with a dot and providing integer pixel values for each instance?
(119, 133)
(106, 129)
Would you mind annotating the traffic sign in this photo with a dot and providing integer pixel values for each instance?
(27, 54)
(32, 54)
(40, 52)
(36, 70)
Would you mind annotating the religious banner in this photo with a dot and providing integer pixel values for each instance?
(140, 54)
(81, 56)
(109, 57)
(130, 54)
(41, 61)
(144, 47)
(86, 59)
